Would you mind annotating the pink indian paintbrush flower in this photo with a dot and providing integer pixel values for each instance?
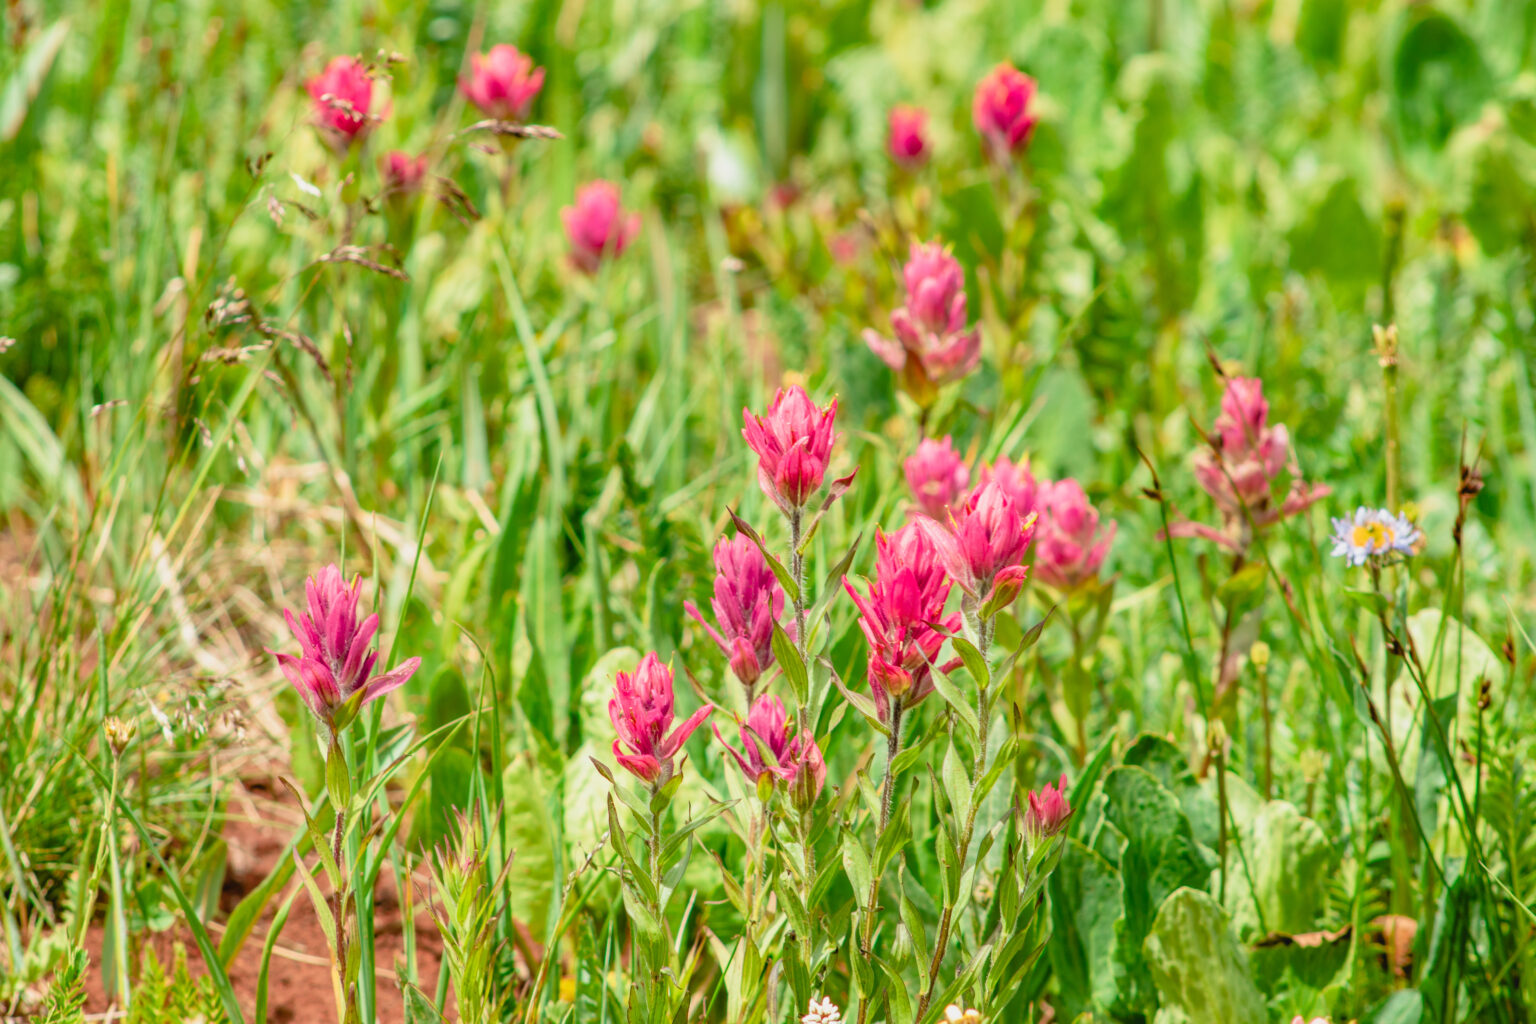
(748, 601)
(903, 620)
(906, 138)
(1001, 111)
(502, 83)
(1299, 1019)
(334, 671)
(932, 345)
(1246, 458)
(342, 100)
(793, 443)
(769, 750)
(765, 732)
(641, 712)
(597, 226)
(982, 545)
(937, 477)
(1016, 481)
(403, 174)
(1069, 546)
(1048, 811)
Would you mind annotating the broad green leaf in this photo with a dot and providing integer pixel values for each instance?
(1286, 855)
(1196, 963)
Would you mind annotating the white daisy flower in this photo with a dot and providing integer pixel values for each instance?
(1373, 533)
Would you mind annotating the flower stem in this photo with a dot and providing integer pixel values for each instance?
(339, 900)
(888, 790)
(978, 770)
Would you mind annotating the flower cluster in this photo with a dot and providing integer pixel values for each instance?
(502, 83)
(983, 543)
(769, 751)
(342, 99)
(1247, 457)
(747, 603)
(822, 1011)
(907, 137)
(903, 619)
(1374, 534)
(597, 225)
(1002, 111)
(641, 713)
(1070, 541)
(937, 477)
(403, 174)
(1070, 545)
(793, 443)
(933, 344)
(334, 672)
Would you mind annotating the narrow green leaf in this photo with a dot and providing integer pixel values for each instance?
(789, 660)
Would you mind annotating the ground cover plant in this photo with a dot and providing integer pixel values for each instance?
(812, 511)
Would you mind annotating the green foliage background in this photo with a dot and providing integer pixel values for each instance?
(530, 466)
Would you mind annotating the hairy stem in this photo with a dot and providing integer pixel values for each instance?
(978, 770)
(338, 915)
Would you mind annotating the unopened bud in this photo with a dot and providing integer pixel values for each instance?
(119, 734)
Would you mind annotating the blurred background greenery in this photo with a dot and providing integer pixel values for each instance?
(196, 409)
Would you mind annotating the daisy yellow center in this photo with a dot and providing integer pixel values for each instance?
(1372, 535)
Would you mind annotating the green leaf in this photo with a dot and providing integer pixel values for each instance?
(1160, 856)
(1438, 79)
(338, 779)
(856, 863)
(1197, 965)
(956, 700)
(1286, 855)
(975, 664)
(1404, 1007)
(957, 783)
(322, 908)
(787, 581)
(530, 837)
(1086, 908)
(896, 992)
(1372, 601)
(789, 660)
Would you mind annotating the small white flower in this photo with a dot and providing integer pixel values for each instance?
(1372, 533)
(822, 1012)
(953, 1014)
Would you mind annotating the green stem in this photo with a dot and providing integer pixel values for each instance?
(888, 789)
(978, 770)
(338, 905)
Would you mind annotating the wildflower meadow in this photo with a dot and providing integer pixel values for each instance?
(768, 512)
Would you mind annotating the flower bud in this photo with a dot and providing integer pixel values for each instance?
(1048, 812)
(119, 733)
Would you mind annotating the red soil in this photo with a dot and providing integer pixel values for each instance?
(299, 977)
